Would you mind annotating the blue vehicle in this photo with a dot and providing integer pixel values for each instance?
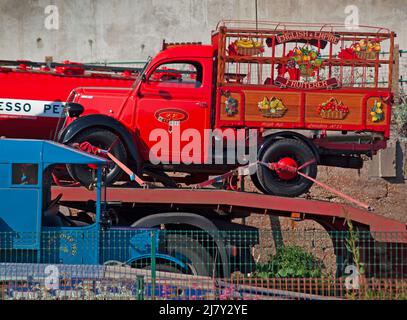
(33, 229)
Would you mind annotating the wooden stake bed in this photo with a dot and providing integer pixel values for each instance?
(304, 76)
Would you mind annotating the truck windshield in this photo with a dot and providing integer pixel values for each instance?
(141, 74)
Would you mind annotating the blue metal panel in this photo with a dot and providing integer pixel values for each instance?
(20, 151)
(58, 153)
(123, 244)
(70, 245)
(37, 151)
(5, 175)
(19, 215)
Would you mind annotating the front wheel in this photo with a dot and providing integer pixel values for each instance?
(286, 153)
(103, 139)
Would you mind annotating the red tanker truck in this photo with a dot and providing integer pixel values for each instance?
(32, 94)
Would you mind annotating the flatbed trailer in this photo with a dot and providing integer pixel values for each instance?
(232, 204)
(214, 211)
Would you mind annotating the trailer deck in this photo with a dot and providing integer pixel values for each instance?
(332, 216)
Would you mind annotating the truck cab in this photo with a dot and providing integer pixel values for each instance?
(34, 230)
(29, 218)
(312, 95)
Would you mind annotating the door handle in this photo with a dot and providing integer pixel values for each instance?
(202, 104)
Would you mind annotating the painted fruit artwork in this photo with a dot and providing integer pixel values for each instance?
(333, 109)
(272, 108)
(377, 112)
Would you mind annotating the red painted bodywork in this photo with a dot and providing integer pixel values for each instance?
(384, 129)
(137, 108)
(44, 84)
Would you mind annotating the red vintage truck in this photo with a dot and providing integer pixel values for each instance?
(32, 94)
(316, 94)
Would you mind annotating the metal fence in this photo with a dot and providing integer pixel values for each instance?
(402, 72)
(195, 265)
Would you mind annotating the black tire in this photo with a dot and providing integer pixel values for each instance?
(270, 181)
(191, 252)
(160, 177)
(257, 183)
(104, 139)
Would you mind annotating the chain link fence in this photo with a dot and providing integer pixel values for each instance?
(403, 71)
(194, 265)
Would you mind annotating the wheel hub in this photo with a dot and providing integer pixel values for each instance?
(286, 168)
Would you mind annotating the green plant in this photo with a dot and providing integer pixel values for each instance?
(370, 294)
(352, 246)
(290, 262)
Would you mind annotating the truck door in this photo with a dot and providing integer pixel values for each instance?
(175, 98)
(70, 245)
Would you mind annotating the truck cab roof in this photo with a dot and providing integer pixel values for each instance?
(44, 152)
(185, 51)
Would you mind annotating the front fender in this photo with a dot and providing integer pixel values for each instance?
(101, 121)
(158, 256)
(189, 219)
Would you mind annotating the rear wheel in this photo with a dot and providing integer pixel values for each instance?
(191, 252)
(257, 183)
(283, 153)
(103, 139)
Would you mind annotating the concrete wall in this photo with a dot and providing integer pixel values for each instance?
(98, 30)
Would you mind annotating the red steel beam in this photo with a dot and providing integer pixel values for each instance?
(375, 222)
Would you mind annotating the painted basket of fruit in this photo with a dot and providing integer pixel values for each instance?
(249, 51)
(333, 110)
(366, 49)
(308, 60)
(272, 108)
(249, 47)
(307, 70)
(274, 113)
(366, 55)
(333, 115)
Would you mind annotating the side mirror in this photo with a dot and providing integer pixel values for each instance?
(74, 110)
